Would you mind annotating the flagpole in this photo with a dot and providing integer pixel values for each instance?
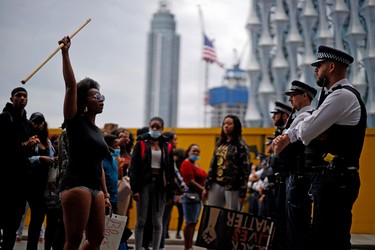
(205, 95)
(205, 71)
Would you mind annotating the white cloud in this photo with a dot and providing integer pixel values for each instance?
(112, 50)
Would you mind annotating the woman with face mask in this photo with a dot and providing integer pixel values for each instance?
(152, 180)
(194, 177)
(111, 170)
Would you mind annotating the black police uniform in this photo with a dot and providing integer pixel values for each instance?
(277, 205)
(336, 185)
(298, 181)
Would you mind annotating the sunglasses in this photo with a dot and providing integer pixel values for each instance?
(99, 97)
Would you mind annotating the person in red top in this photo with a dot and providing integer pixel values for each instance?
(194, 177)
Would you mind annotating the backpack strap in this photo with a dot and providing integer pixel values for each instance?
(143, 149)
(169, 148)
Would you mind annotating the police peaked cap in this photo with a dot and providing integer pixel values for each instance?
(281, 107)
(328, 53)
(300, 87)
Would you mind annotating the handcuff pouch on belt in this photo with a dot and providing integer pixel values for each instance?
(335, 162)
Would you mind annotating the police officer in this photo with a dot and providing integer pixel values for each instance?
(280, 116)
(336, 129)
(298, 180)
(276, 196)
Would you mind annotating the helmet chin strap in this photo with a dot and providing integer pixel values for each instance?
(280, 121)
(322, 93)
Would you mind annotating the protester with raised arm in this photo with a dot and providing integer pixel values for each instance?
(84, 194)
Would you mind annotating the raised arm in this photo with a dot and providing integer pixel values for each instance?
(70, 101)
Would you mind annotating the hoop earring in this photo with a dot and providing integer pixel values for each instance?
(85, 109)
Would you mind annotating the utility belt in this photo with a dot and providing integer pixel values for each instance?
(333, 168)
(332, 163)
(300, 171)
(327, 169)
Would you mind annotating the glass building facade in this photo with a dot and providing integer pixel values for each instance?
(162, 69)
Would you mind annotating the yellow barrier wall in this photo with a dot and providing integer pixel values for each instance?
(363, 211)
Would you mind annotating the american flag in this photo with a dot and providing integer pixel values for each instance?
(209, 53)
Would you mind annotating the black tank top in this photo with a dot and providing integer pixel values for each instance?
(87, 150)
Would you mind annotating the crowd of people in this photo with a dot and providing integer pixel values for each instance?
(307, 179)
(69, 181)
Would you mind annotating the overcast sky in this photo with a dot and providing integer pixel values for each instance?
(112, 50)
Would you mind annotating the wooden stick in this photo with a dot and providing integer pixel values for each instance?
(54, 52)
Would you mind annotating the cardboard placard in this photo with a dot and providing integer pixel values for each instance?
(225, 229)
(114, 227)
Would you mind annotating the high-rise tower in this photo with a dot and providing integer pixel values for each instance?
(163, 52)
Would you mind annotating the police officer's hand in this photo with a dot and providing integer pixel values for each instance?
(279, 143)
(261, 198)
(136, 197)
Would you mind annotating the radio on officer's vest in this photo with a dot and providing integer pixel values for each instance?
(335, 162)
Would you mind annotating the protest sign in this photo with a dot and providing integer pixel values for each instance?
(225, 229)
(114, 227)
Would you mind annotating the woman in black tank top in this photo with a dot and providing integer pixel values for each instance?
(84, 194)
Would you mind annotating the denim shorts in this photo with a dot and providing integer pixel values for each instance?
(191, 210)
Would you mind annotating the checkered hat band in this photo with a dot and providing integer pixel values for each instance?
(297, 88)
(325, 55)
(283, 110)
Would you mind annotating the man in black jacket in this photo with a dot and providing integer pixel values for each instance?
(16, 146)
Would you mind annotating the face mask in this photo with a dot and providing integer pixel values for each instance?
(154, 133)
(116, 153)
(194, 157)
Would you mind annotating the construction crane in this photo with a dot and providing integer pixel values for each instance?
(237, 59)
